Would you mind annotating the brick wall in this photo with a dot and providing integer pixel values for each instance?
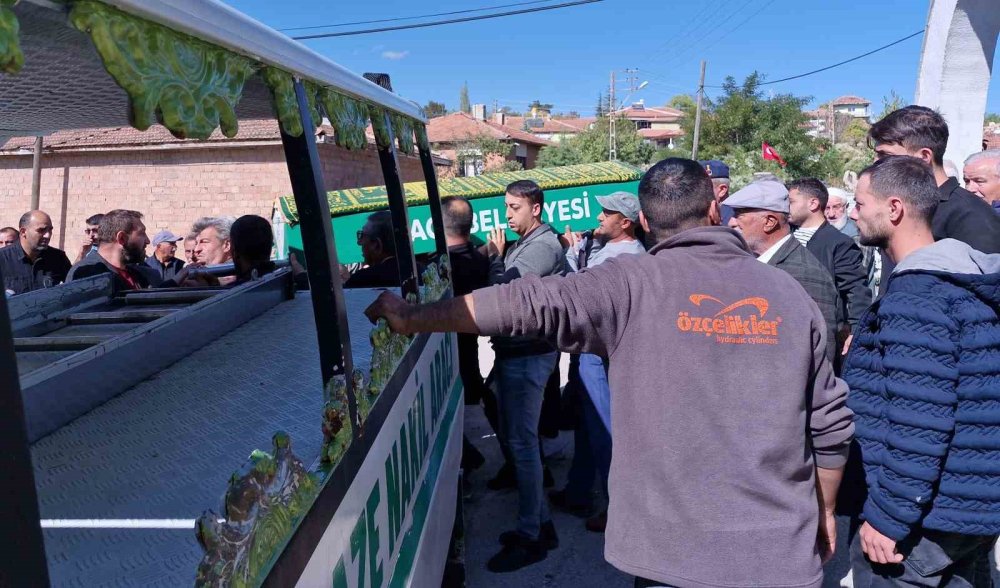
(172, 186)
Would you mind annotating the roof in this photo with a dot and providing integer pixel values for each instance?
(845, 100)
(656, 134)
(250, 130)
(552, 125)
(459, 126)
(664, 113)
(356, 200)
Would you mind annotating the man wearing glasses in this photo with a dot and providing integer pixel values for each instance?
(379, 252)
(89, 243)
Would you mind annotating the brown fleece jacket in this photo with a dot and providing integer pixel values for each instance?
(723, 403)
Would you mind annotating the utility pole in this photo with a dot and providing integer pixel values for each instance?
(697, 115)
(633, 80)
(36, 173)
(613, 154)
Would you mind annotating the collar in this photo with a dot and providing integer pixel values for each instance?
(767, 255)
(722, 239)
(534, 234)
(18, 251)
(948, 188)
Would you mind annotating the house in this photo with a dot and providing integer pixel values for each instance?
(454, 135)
(991, 136)
(552, 129)
(659, 126)
(854, 106)
(171, 181)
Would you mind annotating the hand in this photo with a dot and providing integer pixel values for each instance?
(826, 535)
(879, 548)
(190, 270)
(847, 344)
(496, 242)
(345, 274)
(393, 309)
(296, 266)
(569, 239)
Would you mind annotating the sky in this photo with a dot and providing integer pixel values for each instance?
(565, 57)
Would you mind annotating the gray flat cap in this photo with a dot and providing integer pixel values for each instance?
(763, 195)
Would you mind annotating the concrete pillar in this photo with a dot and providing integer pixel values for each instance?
(956, 65)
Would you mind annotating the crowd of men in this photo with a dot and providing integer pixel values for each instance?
(761, 359)
(116, 243)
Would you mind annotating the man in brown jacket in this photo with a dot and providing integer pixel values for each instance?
(730, 429)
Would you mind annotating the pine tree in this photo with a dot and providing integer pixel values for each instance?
(463, 99)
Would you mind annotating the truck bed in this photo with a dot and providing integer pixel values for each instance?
(120, 487)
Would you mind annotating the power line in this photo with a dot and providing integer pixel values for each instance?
(361, 22)
(846, 61)
(698, 26)
(449, 21)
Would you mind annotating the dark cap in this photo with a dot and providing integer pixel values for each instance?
(715, 168)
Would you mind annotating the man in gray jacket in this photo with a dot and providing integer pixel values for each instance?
(522, 368)
(730, 429)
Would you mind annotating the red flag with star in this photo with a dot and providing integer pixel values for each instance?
(769, 153)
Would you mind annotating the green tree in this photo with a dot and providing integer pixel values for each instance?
(435, 109)
(487, 153)
(890, 103)
(993, 117)
(737, 122)
(463, 99)
(855, 133)
(593, 145)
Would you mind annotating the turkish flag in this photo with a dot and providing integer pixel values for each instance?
(770, 153)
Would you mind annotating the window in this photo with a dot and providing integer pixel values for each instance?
(643, 124)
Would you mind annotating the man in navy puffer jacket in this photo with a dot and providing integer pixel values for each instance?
(924, 374)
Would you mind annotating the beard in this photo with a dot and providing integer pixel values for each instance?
(134, 254)
(840, 223)
(875, 234)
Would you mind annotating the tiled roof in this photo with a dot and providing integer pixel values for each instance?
(651, 113)
(459, 126)
(659, 133)
(552, 125)
(843, 100)
(249, 130)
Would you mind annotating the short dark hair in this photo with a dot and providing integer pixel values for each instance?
(9, 230)
(907, 177)
(95, 219)
(457, 213)
(811, 187)
(117, 220)
(251, 238)
(381, 229)
(526, 189)
(913, 127)
(675, 194)
(24, 220)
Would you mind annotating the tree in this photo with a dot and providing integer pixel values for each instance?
(593, 145)
(435, 109)
(737, 122)
(463, 99)
(891, 103)
(603, 105)
(992, 117)
(486, 153)
(855, 133)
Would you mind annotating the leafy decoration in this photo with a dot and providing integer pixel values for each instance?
(282, 86)
(348, 116)
(404, 132)
(421, 131)
(11, 57)
(379, 126)
(188, 85)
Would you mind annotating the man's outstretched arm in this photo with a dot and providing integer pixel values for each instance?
(456, 315)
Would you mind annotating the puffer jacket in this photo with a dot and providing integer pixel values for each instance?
(924, 375)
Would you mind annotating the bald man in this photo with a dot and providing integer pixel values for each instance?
(982, 176)
(30, 263)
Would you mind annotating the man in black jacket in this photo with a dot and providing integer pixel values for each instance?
(837, 252)
(30, 263)
(920, 132)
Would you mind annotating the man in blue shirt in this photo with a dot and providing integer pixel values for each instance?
(164, 258)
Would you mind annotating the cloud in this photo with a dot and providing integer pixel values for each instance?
(395, 55)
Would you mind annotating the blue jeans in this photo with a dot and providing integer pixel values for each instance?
(592, 437)
(520, 387)
(933, 559)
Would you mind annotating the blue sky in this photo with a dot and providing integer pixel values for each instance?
(564, 57)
